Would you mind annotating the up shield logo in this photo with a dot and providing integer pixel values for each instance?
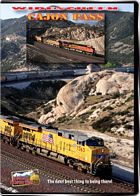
(25, 177)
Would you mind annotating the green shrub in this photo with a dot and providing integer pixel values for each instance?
(107, 108)
(124, 112)
(127, 126)
(109, 65)
(115, 95)
(130, 98)
(61, 119)
(103, 124)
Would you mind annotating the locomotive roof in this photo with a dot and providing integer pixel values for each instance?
(30, 125)
(75, 135)
(78, 136)
(10, 118)
(65, 133)
(35, 126)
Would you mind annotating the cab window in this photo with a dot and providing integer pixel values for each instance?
(71, 136)
(59, 134)
(10, 124)
(95, 142)
(82, 143)
(26, 129)
(39, 129)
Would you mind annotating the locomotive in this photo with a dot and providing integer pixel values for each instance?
(68, 45)
(88, 154)
(78, 47)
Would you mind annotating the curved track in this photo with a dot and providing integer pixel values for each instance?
(50, 169)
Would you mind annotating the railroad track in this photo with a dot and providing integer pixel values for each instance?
(56, 170)
(50, 57)
(75, 57)
(122, 183)
(53, 175)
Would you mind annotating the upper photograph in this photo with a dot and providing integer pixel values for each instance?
(68, 38)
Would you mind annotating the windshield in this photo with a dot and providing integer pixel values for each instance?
(95, 142)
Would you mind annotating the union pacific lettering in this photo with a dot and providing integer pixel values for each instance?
(51, 8)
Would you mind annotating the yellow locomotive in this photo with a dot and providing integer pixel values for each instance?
(78, 151)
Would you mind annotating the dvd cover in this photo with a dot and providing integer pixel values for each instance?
(69, 97)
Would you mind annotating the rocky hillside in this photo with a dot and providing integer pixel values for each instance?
(13, 44)
(119, 39)
(101, 101)
(98, 104)
(33, 96)
(13, 26)
(13, 52)
(70, 33)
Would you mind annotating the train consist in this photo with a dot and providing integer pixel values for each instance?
(88, 154)
(33, 75)
(68, 45)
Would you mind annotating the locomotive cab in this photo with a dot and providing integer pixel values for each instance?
(93, 141)
(100, 157)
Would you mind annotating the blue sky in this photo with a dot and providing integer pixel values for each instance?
(7, 12)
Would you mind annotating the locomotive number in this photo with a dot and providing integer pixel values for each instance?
(81, 149)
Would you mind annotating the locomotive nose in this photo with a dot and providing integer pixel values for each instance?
(101, 153)
(101, 161)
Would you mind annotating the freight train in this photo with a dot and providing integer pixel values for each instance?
(68, 45)
(31, 75)
(87, 154)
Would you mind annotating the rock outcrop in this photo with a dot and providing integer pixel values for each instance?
(72, 98)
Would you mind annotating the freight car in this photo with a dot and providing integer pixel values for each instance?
(35, 75)
(88, 154)
(11, 77)
(52, 42)
(14, 77)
